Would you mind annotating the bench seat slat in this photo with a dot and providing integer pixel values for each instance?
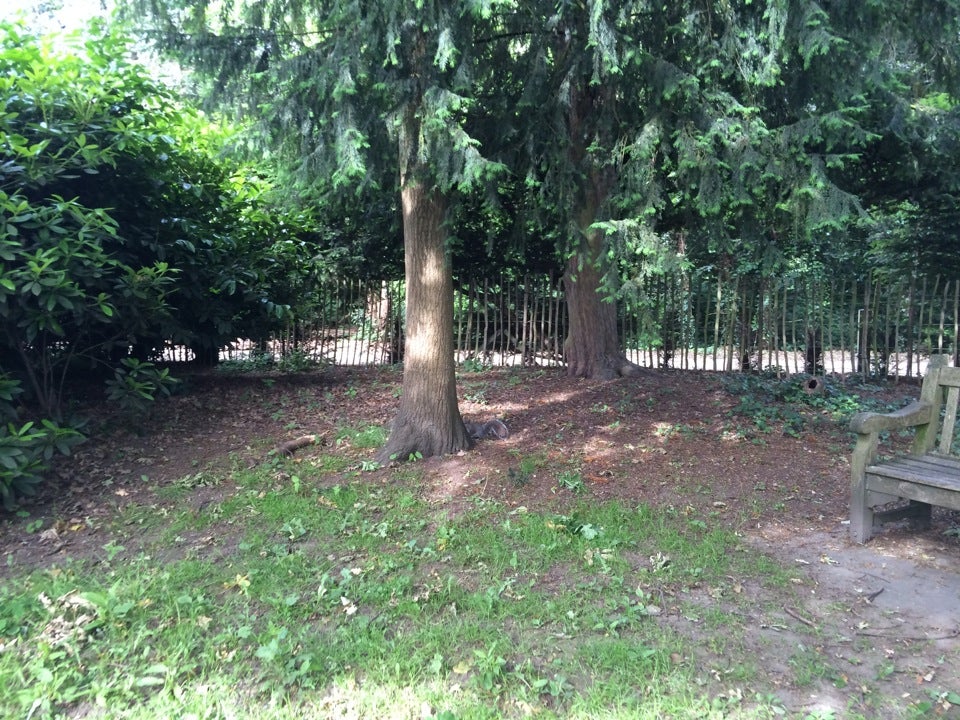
(932, 479)
(947, 462)
(935, 470)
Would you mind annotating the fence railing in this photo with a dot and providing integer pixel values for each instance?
(787, 324)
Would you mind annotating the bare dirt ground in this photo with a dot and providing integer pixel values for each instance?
(882, 615)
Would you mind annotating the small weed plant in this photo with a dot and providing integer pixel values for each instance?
(526, 470)
(571, 480)
(473, 364)
(299, 361)
(258, 361)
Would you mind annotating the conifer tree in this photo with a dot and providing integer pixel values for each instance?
(727, 123)
(731, 125)
(361, 93)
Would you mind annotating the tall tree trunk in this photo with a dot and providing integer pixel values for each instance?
(592, 347)
(428, 419)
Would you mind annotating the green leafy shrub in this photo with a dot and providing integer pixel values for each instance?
(64, 299)
(784, 403)
(25, 454)
(26, 448)
(135, 385)
(122, 226)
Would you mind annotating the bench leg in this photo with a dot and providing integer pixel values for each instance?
(861, 514)
(861, 521)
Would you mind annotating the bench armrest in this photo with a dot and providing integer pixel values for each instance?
(916, 413)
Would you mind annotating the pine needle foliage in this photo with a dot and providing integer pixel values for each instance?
(328, 84)
(756, 107)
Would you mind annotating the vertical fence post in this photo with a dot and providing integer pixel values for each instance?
(559, 306)
(887, 347)
(731, 324)
(695, 322)
(896, 332)
(868, 318)
(848, 330)
(929, 323)
(468, 334)
(716, 321)
(829, 329)
(911, 304)
(486, 315)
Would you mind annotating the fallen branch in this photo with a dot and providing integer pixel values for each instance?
(797, 616)
(291, 446)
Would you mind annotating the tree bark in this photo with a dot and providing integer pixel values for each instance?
(428, 420)
(592, 348)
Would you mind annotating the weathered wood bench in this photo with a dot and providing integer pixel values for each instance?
(929, 475)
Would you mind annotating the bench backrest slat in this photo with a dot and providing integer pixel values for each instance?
(941, 389)
(949, 420)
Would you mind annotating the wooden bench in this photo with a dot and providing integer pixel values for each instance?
(929, 475)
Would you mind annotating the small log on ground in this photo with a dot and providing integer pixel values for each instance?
(289, 447)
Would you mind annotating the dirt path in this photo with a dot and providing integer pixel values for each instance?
(883, 615)
(912, 585)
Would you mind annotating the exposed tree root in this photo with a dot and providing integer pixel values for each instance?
(628, 369)
(605, 369)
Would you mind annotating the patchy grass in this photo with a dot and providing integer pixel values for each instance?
(288, 599)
